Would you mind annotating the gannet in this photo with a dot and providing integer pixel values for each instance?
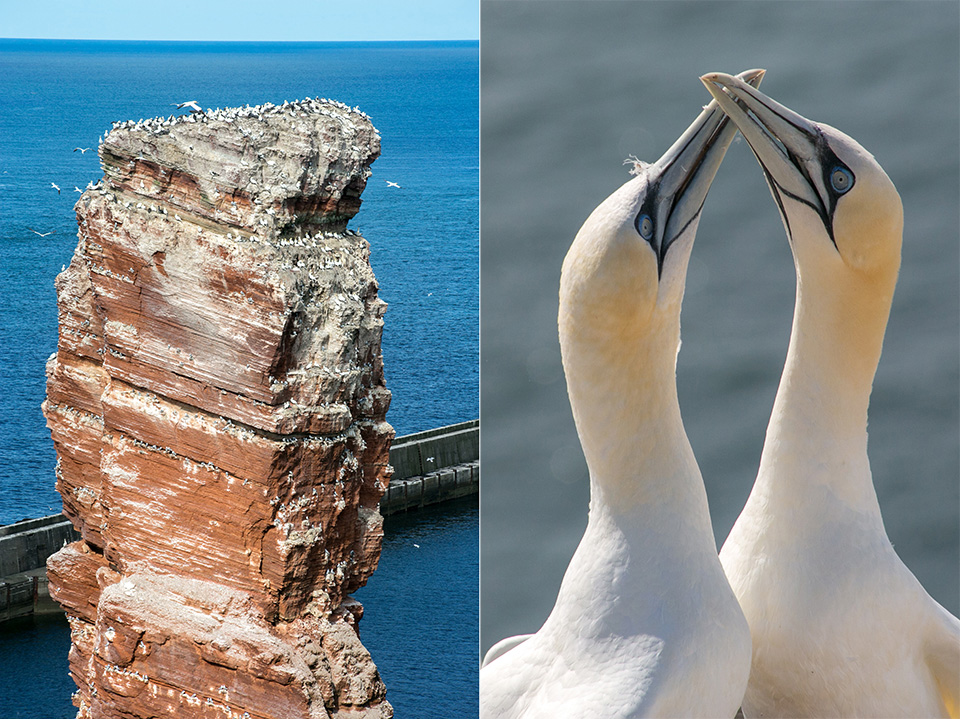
(55, 187)
(840, 626)
(81, 150)
(645, 623)
(42, 234)
(392, 184)
(192, 104)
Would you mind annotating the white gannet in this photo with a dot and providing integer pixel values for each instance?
(55, 186)
(192, 104)
(645, 623)
(841, 627)
(42, 234)
(392, 184)
(81, 150)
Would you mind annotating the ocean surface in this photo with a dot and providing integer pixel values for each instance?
(568, 91)
(422, 97)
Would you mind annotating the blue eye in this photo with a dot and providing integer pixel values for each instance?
(841, 179)
(645, 227)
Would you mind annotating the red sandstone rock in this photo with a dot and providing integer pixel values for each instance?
(217, 405)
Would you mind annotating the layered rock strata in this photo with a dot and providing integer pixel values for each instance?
(217, 405)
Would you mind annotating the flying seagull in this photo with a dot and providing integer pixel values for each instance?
(42, 234)
(55, 186)
(392, 184)
(81, 150)
(192, 104)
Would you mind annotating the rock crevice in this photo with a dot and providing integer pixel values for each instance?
(217, 405)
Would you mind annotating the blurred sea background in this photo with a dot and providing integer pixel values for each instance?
(422, 97)
(568, 90)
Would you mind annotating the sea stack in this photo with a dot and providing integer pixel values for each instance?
(217, 405)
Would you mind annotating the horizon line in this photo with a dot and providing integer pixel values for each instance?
(260, 40)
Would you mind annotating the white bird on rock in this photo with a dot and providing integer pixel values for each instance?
(841, 627)
(645, 623)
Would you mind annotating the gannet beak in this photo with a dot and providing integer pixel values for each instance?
(687, 169)
(788, 146)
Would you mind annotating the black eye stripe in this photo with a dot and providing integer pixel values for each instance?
(826, 214)
(648, 210)
(830, 163)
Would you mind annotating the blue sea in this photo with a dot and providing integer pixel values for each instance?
(423, 98)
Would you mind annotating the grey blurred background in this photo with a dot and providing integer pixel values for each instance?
(569, 89)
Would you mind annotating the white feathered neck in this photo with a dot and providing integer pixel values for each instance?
(818, 428)
(619, 336)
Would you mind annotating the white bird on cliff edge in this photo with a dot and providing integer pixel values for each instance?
(392, 184)
(55, 187)
(645, 623)
(192, 104)
(840, 626)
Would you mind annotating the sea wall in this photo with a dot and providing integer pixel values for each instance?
(433, 466)
(26, 545)
(24, 549)
(217, 405)
(429, 467)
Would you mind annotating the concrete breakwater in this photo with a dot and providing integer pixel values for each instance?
(433, 466)
(429, 467)
(24, 548)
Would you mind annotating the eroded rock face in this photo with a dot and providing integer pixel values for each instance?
(217, 405)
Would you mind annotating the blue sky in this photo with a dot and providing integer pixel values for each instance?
(291, 20)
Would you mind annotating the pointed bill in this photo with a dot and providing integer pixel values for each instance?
(687, 169)
(788, 146)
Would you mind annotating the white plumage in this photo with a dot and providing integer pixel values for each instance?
(645, 623)
(841, 627)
